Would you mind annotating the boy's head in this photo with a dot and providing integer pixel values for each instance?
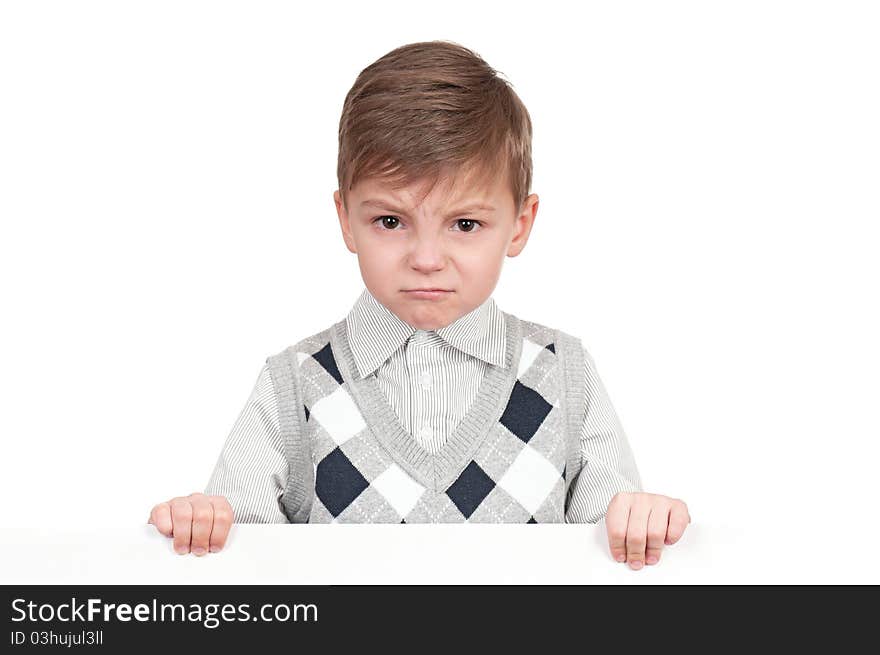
(434, 171)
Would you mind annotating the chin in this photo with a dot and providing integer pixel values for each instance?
(426, 320)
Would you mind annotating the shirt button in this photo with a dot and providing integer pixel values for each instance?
(425, 380)
(426, 432)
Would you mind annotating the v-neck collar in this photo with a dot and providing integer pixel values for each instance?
(438, 470)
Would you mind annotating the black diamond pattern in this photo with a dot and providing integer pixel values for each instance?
(531, 520)
(551, 348)
(525, 411)
(470, 489)
(325, 358)
(307, 412)
(338, 482)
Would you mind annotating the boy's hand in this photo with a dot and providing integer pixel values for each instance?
(639, 524)
(196, 521)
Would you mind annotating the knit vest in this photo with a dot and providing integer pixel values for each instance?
(511, 459)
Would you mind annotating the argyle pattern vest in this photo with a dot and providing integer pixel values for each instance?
(510, 460)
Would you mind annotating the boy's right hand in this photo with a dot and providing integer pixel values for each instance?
(196, 522)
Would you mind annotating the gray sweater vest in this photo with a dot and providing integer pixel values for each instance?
(512, 458)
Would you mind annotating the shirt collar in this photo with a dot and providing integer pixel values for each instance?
(375, 333)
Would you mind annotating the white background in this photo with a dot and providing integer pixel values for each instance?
(708, 181)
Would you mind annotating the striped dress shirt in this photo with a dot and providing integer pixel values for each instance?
(430, 378)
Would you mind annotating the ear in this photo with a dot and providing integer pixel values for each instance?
(344, 223)
(523, 227)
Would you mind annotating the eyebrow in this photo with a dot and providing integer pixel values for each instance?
(380, 204)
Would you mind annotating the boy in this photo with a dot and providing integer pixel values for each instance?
(428, 403)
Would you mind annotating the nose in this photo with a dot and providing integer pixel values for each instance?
(427, 254)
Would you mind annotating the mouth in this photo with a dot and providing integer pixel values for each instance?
(427, 294)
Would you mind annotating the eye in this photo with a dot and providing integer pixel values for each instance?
(468, 224)
(391, 223)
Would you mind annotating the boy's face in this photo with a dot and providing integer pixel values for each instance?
(454, 239)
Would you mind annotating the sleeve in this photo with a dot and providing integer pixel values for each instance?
(251, 471)
(607, 462)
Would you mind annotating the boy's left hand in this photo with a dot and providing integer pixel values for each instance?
(639, 524)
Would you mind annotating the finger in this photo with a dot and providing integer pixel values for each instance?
(616, 519)
(658, 522)
(161, 518)
(678, 521)
(202, 523)
(181, 519)
(223, 517)
(637, 533)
